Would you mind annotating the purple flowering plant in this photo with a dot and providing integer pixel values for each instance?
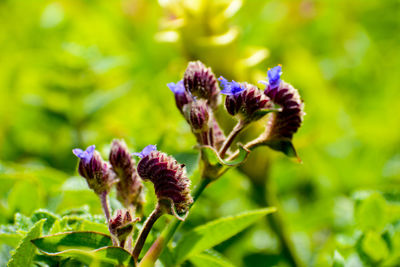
(198, 97)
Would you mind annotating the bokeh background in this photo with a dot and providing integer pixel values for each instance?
(75, 73)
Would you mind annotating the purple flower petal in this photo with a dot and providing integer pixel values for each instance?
(177, 88)
(86, 155)
(230, 88)
(146, 151)
(78, 152)
(274, 76)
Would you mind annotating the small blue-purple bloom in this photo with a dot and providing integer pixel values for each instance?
(146, 151)
(177, 88)
(274, 76)
(230, 88)
(86, 155)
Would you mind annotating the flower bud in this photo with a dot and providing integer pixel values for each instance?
(129, 187)
(285, 123)
(121, 225)
(201, 82)
(244, 99)
(182, 97)
(197, 115)
(168, 176)
(96, 171)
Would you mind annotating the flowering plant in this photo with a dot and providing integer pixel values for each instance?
(198, 97)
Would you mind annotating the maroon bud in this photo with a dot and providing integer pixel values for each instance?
(121, 225)
(285, 123)
(201, 82)
(96, 172)
(169, 179)
(247, 102)
(233, 103)
(129, 187)
(182, 97)
(197, 114)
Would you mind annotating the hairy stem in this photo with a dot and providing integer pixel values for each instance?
(106, 210)
(156, 249)
(104, 204)
(228, 141)
(157, 212)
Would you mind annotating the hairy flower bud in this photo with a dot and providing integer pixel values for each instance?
(129, 187)
(121, 225)
(168, 176)
(244, 99)
(197, 115)
(96, 171)
(182, 97)
(201, 82)
(285, 123)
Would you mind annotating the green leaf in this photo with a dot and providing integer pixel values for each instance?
(210, 260)
(338, 260)
(24, 253)
(95, 227)
(371, 214)
(44, 214)
(11, 239)
(215, 166)
(208, 235)
(284, 146)
(72, 240)
(22, 222)
(106, 256)
(262, 112)
(374, 246)
(56, 228)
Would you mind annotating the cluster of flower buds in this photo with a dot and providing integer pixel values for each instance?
(121, 225)
(129, 186)
(197, 97)
(101, 175)
(95, 170)
(170, 180)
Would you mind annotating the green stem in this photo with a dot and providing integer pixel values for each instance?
(156, 249)
(157, 212)
(228, 141)
(104, 205)
(106, 210)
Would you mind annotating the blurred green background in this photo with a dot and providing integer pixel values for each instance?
(75, 73)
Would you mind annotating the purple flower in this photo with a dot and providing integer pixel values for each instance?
(177, 88)
(146, 151)
(230, 88)
(274, 76)
(182, 97)
(86, 155)
(95, 170)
